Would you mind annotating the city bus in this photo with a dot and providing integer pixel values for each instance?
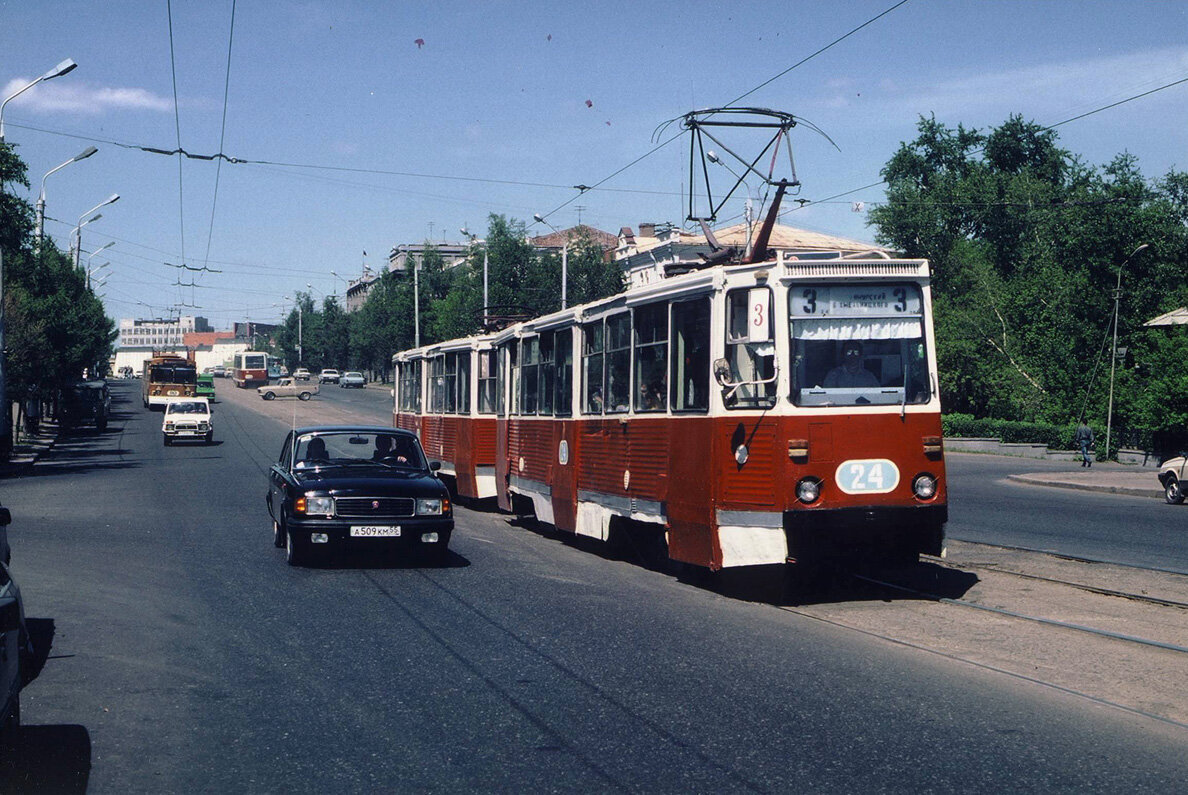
(167, 376)
(249, 369)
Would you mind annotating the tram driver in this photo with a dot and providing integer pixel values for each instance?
(850, 373)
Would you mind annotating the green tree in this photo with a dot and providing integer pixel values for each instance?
(1025, 242)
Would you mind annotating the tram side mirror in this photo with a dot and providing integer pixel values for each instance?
(722, 372)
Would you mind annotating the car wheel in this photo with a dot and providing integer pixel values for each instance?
(210, 437)
(304, 396)
(1172, 493)
(101, 425)
(165, 438)
(269, 395)
(294, 554)
(278, 534)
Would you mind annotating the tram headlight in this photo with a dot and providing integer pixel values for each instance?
(808, 490)
(741, 454)
(924, 486)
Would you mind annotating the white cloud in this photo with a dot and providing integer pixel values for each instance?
(1045, 91)
(52, 97)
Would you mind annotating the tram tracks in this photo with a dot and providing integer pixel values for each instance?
(1113, 634)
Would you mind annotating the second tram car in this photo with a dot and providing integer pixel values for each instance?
(784, 411)
(249, 369)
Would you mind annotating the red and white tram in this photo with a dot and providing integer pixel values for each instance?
(446, 394)
(764, 413)
(250, 369)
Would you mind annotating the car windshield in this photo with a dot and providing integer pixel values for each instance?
(187, 407)
(359, 448)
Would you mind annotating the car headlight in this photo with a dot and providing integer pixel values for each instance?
(432, 507)
(315, 506)
(169, 426)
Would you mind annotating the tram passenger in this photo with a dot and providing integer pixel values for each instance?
(850, 373)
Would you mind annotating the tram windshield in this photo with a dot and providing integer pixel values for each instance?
(858, 345)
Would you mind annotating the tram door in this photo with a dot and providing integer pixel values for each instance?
(502, 425)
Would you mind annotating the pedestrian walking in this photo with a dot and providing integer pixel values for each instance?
(1084, 438)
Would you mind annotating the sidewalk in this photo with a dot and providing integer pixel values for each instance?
(1109, 478)
(30, 449)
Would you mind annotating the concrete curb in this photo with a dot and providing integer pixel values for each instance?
(1104, 488)
(26, 454)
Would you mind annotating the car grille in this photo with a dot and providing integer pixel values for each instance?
(374, 506)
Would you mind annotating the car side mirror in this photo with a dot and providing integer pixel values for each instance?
(5, 517)
(434, 465)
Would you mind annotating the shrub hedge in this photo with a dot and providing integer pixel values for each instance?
(1056, 437)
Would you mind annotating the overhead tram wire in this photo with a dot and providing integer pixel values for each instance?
(808, 58)
(214, 202)
(1049, 127)
(177, 127)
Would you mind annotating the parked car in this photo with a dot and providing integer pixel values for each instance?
(126, 372)
(5, 550)
(287, 387)
(302, 374)
(352, 378)
(187, 418)
(219, 371)
(87, 402)
(274, 372)
(205, 386)
(357, 487)
(328, 376)
(16, 657)
(1171, 476)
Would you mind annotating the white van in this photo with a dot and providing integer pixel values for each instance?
(187, 418)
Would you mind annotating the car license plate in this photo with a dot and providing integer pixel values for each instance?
(375, 531)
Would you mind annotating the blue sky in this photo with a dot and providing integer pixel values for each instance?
(491, 109)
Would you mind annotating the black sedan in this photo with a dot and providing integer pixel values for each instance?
(14, 657)
(338, 488)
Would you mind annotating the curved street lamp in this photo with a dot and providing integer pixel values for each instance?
(112, 199)
(83, 155)
(59, 70)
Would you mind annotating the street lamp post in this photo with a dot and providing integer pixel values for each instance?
(83, 155)
(115, 197)
(5, 410)
(564, 260)
(59, 70)
(1114, 348)
(91, 256)
(486, 266)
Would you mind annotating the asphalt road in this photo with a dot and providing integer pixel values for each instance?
(985, 507)
(184, 655)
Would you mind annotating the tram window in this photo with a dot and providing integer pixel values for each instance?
(618, 363)
(593, 400)
(690, 355)
(530, 375)
(450, 379)
(548, 373)
(436, 384)
(464, 382)
(486, 382)
(563, 354)
(858, 345)
(651, 357)
(750, 351)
